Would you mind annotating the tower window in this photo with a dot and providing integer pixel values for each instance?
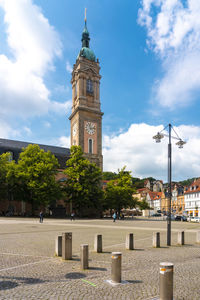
(90, 146)
(89, 86)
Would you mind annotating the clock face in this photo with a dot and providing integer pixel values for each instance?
(90, 127)
(74, 129)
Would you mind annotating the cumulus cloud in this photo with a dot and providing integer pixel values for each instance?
(33, 44)
(137, 150)
(173, 29)
(64, 141)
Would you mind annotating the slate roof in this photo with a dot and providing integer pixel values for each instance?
(61, 153)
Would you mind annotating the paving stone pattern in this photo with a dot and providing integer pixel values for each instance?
(30, 270)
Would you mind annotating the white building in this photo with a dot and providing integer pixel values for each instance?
(192, 199)
(154, 200)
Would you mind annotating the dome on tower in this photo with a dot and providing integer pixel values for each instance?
(86, 51)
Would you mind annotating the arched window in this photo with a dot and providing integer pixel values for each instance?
(89, 86)
(90, 146)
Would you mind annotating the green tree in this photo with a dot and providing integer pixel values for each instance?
(109, 175)
(118, 193)
(143, 204)
(83, 185)
(4, 166)
(36, 175)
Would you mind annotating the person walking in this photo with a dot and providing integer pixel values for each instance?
(41, 216)
(73, 216)
(114, 217)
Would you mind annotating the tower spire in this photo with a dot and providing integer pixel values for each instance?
(85, 35)
(85, 16)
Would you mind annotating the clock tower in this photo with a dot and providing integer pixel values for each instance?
(86, 116)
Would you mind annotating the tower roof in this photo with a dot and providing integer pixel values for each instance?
(86, 51)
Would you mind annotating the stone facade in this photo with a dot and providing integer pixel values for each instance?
(86, 116)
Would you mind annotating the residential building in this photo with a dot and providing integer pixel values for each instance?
(192, 199)
(154, 199)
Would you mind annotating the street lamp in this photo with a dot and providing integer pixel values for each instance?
(180, 144)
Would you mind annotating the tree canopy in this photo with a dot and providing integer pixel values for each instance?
(83, 185)
(118, 193)
(36, 173)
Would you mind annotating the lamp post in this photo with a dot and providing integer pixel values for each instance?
(180, 144)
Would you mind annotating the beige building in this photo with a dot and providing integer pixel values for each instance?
(86, 116)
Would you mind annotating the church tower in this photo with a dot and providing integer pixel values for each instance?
(86, 116)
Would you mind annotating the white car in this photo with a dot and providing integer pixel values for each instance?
(195, 219)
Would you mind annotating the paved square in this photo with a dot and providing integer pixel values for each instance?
(29, 269)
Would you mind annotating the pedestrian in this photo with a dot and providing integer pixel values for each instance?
(114, 217)
(41, 216)
(73, 216)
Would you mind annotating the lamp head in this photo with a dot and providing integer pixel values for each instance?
(158, 137)
(180, 144)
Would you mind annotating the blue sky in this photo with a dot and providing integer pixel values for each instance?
(150, 65)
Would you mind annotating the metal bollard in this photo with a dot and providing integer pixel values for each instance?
(129, 241)
(166, 281)
(84, 257)
(198, 237)
(98, 243)
(58, 244)
(181, 238)
(156, 239)
(116, 265)
(67, 245)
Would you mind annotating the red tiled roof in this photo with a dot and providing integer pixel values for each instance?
(196, 184)
(155, 195)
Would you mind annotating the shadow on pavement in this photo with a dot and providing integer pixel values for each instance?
(6, 285)
(135, 281)
(97, 268)
(75, 275)
(26, 280)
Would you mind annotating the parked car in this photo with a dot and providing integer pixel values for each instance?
(180, 218)
(195, 219)
(156, 215)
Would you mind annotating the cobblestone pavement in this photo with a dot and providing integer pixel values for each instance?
(30, 270)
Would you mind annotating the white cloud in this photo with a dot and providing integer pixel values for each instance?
(33, 44)
(27, 130)
(69, 67)
(47, 124)
(64, 141)
(138, 151)
(173, 29)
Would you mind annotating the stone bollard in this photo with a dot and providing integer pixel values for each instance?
(130, 241)
(84, 257)
(181, 239)
(116, 266)
(67, 245)
(58, 244)
(198, 237)
(166, 281)
(156, 239)
(98, 243)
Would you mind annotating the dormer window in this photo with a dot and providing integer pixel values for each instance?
(89, 86)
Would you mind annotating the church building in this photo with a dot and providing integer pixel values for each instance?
(86, 115)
